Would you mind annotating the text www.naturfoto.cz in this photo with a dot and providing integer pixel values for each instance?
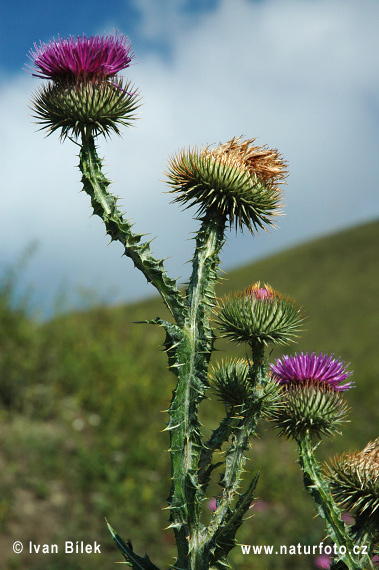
(301, 549)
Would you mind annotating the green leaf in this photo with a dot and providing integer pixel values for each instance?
(133, 560)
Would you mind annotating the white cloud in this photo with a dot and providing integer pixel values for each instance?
(301, 76)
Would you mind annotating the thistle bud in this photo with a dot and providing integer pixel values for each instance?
(236, 386)
(231, 381)
(236, 180)
(259, 315)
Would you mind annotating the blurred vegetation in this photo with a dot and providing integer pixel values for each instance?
(81, 401)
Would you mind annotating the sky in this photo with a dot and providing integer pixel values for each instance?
(301, 76)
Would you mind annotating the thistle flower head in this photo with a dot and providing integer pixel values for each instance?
(236, 180)
(354, 482)
(83, 96)
(259, 314)
(70, 58)
(321, 369)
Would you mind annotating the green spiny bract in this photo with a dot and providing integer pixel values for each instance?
(99, 106)
(310, 407)
(236, 180)
(253, 317)
(354, 483)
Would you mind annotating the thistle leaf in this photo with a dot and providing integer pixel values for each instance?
(133, 560)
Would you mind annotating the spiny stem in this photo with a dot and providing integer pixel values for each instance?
(318, 488)
(193, 354)
(105, 206)
(219, 436)
(222, 522)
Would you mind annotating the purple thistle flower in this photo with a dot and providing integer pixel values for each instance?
(323, 561)
(305, 367)
(255, 291)
(212, 505)
(94, 57)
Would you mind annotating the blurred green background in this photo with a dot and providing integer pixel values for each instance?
(81, 400)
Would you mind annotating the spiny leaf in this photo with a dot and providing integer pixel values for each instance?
(133, 560)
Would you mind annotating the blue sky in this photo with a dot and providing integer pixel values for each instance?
(22, 23)
(300, 75)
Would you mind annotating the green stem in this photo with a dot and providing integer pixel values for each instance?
(192, 356)
(219, 436)
(235, 461)
(105, 206)
(223, 523)
(326, 507)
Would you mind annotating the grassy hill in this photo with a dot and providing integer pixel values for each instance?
(81, 400)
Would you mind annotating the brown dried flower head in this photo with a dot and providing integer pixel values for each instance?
(259, 161)
(236, 180)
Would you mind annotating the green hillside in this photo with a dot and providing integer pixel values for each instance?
(81, 413)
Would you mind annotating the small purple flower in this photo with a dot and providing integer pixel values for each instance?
(263, 293)
(348, 519)
(212, 505)
(309, 367)
(255, 291)
(93, 57)
(259, 505)
(322, 561)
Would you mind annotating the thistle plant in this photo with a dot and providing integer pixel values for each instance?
(235, 184)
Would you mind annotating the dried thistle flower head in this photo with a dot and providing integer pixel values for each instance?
(259, 314)
(236, 180)
(354, 482)
(260, 161)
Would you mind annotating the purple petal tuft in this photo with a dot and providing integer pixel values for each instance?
(310, 367)
(96, 56)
